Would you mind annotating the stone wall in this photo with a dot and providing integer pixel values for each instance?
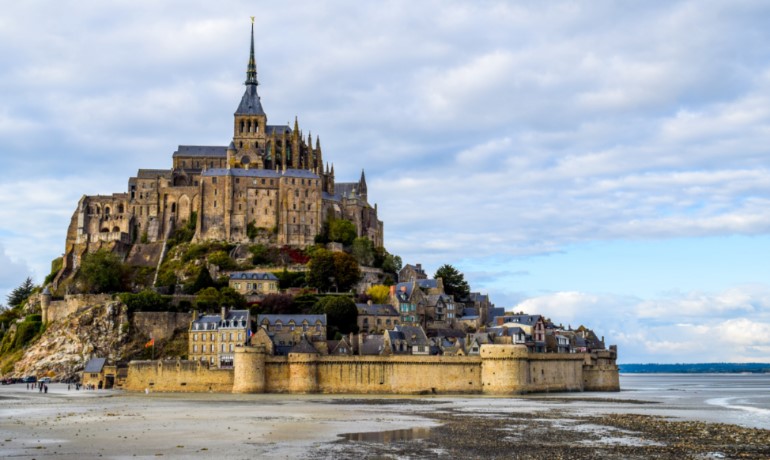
(60, 309)
(160, 325)
(500, 370)
(178, 376)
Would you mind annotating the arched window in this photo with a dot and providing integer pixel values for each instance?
(120, 209)
(115, 229)
(106, 210)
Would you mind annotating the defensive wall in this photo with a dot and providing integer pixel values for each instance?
(499, 370)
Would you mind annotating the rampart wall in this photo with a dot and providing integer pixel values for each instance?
(501, 369)
(59, 309)
(178, 376)
(160, 325)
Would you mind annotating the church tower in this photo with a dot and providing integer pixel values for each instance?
(249, 133)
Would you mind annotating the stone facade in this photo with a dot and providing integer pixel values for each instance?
(269, 185)
(213, 338)
(500, 369)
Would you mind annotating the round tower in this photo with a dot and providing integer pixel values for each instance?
(504, 369)
(249, 370)
(45, 302)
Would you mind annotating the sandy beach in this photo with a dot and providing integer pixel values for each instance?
(72, 424)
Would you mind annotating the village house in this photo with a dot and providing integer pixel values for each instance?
(294, 326)
(213, 338)
(254, 283)
(376, 317)
(407, 340)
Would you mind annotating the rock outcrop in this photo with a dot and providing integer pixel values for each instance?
(99, 330)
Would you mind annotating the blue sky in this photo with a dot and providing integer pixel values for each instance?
(602, 163)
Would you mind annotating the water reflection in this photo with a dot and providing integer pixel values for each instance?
(389, 436)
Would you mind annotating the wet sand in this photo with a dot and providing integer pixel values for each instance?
(111, 424)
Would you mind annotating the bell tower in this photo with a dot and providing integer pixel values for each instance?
(250, 127)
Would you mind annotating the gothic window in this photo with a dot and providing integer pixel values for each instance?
(213, 180)
(120, 209)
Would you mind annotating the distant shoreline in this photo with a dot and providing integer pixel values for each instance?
(695, 368)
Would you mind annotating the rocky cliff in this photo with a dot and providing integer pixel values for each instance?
(96, 330)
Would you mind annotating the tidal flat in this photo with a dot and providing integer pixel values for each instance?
(645, 421)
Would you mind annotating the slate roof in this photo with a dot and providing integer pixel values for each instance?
(95, 365)
(433, 299)
(153, 173)
(495, 312)
(304, 347)
(253, 276)
(250, 103)
(507, 331)
(278, 129)
(413, 335)
(371, 345)
(269, 173)
(480, 337)
(298, 319)
(472, 312)
(376, 309)
(213, 322)
(427, 284)
(528, 320)
(477, 297)
(200, 151)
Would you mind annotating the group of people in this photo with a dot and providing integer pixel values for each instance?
(42, 387)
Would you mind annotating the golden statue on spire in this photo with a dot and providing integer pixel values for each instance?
(252, 19)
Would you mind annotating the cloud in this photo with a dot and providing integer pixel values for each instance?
(675, 328)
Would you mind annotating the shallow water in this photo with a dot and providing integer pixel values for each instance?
(69, 424)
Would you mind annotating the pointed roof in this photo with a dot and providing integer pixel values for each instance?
(304, 347)
(250, 104)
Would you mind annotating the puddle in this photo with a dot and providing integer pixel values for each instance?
(386, 437)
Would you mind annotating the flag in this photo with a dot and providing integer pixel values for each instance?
(249, 336)
(150, 343)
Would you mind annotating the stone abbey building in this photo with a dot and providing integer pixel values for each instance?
(269, 177)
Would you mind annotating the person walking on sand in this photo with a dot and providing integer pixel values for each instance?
(45, 388)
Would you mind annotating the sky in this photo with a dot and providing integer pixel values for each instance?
(601, 163)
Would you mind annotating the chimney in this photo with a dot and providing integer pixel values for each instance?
(500, 320)
(393, 291)
(224, 313)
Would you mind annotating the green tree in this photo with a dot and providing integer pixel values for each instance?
(102, 271)
(363, 250)
(230, 298)
(342, 231)
(145, 301)
(202, 281)
(18, 296)
(327, 270)
(454, 282)
(222, 260)
(341, 315)
(392, 264)
(207, 299)
(277, 304)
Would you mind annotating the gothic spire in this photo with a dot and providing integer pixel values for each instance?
(251, 71)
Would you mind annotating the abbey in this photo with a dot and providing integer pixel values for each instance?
(269, 181)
